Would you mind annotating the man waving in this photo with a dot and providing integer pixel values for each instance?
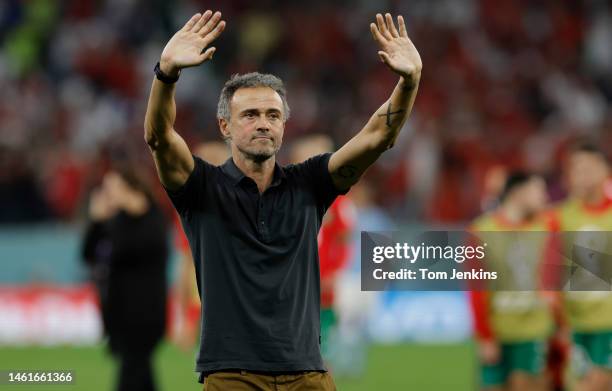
(252, 224)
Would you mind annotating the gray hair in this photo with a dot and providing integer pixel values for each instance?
(253, 79)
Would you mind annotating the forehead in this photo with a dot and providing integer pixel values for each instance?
(263, 98)
(537, 182)
(583, 157)
(530, 184)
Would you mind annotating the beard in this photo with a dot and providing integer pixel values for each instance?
(258, 154)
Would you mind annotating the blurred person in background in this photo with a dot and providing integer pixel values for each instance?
(126, 248)
(187, 290)
(585, 219)
(335, 247)
(353, 305)
(251, 224)
(512, 327)
(494, 180)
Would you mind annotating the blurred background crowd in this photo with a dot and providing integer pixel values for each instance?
(505, 83)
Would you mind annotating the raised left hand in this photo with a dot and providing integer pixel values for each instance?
(396, 49)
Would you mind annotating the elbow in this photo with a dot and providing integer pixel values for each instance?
(150, 139)
(154, 135)
(149, 135)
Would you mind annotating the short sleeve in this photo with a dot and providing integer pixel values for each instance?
(189, 196)
(316, 171)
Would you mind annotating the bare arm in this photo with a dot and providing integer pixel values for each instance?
(379, 134)
(187, 48)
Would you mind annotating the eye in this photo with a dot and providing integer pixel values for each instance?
(274, 116)
(250, 115)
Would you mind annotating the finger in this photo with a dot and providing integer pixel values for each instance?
(211, 24)
(191, 22)
(376, 33)
(402, 26)
(216, 32)
(208, 54)
(384, 57)
(382, 27)
(391, 25)
(205, 18)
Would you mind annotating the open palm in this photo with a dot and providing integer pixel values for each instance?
(396, 49)
(188, 47)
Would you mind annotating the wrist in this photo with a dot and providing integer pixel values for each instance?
(166, 77)
(410, 80)
(168, 68)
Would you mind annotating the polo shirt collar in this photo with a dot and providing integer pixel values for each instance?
(231, 170)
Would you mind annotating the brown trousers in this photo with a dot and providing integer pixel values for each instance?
(249, 381)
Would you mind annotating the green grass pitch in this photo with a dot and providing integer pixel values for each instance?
(389, 367)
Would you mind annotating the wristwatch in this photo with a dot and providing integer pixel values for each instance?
(161, 76)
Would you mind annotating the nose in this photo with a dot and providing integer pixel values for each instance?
(263, 125)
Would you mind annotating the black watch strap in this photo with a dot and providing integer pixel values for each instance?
(161, 76)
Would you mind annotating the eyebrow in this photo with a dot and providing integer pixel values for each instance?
(254, 110)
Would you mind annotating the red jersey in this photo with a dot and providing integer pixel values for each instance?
(334, 243)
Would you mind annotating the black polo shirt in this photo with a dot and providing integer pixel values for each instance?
(257, 263)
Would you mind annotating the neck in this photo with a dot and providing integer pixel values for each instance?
(261, 172)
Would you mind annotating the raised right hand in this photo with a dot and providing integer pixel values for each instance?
(188, 47)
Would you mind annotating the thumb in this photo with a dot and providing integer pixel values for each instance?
(384, 57)
(208, 54)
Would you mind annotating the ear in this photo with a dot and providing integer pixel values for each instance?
(224, 128)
